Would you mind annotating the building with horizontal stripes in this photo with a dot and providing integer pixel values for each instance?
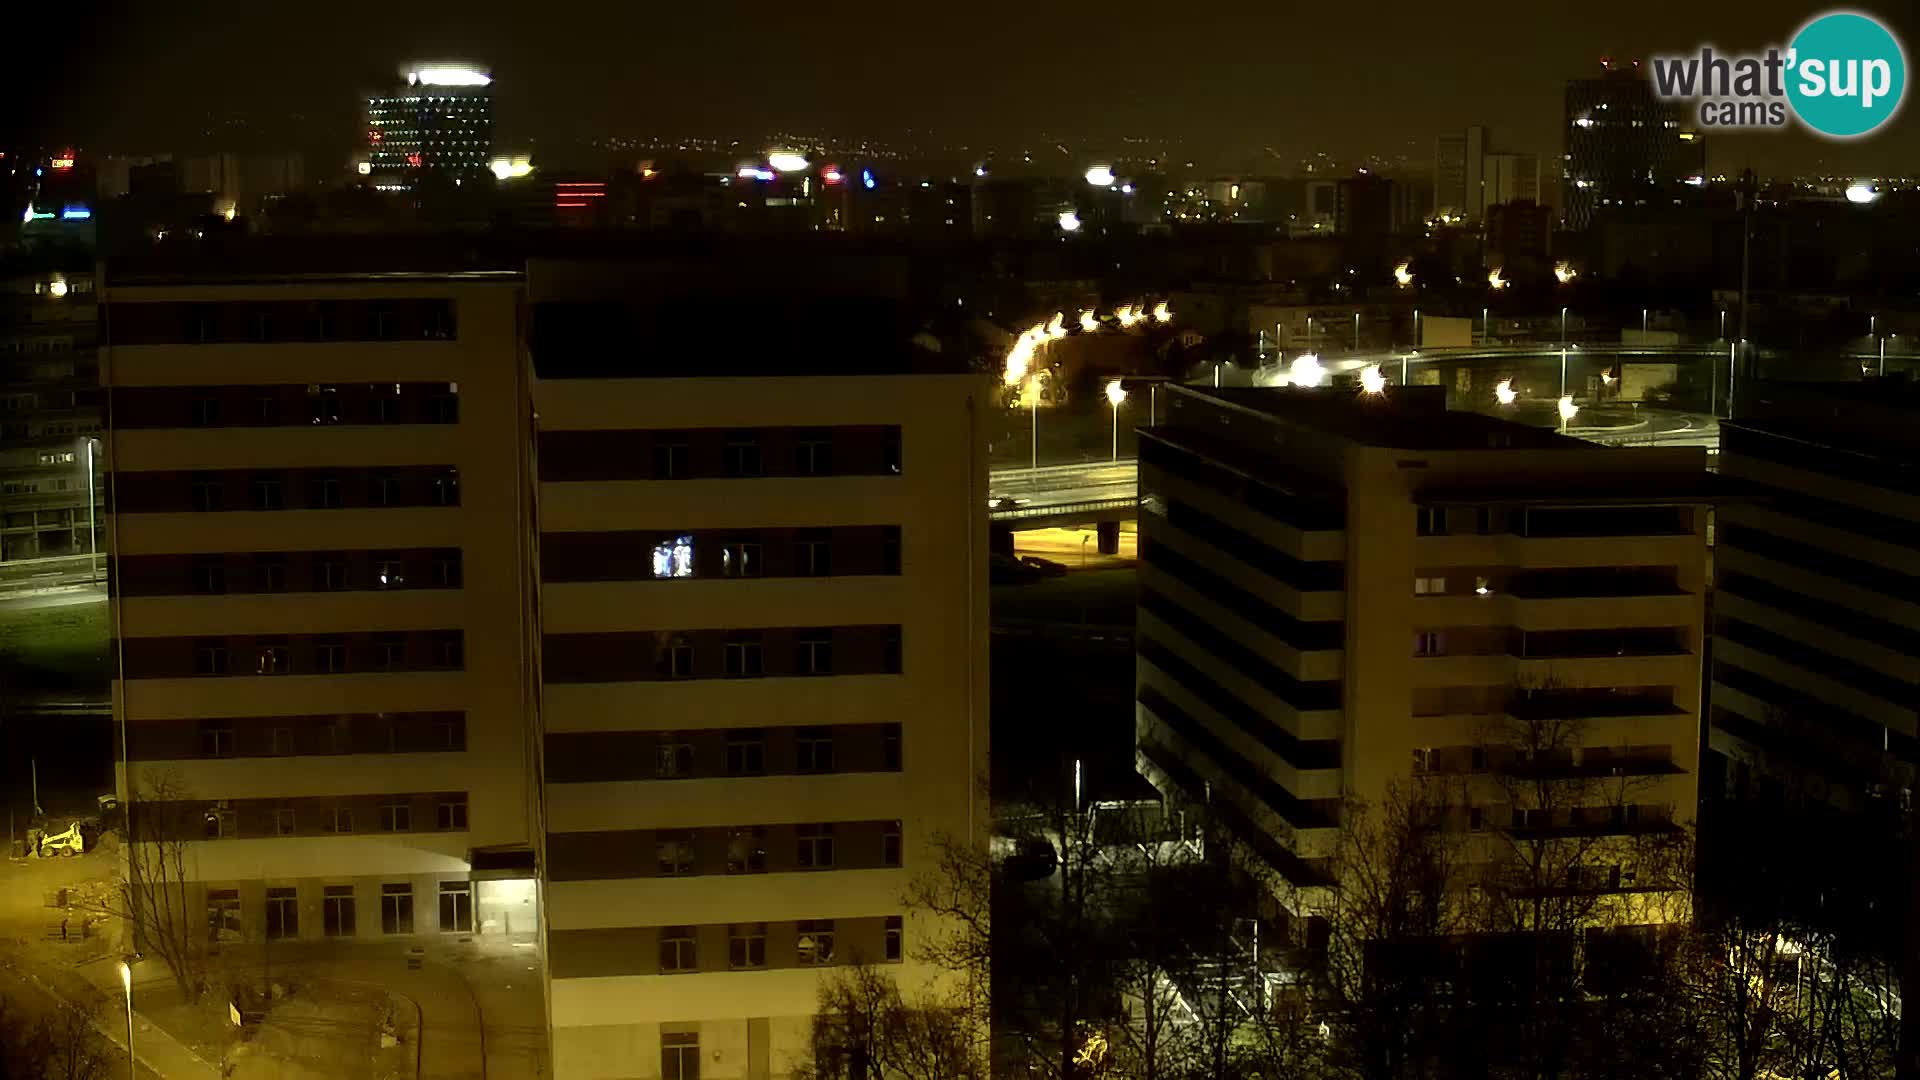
(1342, 593)
(322, 598)
(1816, 662)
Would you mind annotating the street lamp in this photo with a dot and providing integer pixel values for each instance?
(1115, 395)
(1563, 327)
(1033, 402)
(126, 983)
(1356, 331)
(93, 544)
(1486, 328)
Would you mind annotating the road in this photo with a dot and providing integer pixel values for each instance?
(23, 575)
(41, 599)
(1058, 485)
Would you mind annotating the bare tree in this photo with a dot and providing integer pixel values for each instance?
(155, 898)
(74, 1049)
(865, 1029)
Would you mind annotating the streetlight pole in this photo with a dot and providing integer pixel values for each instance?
(1356, 331)
(1115, 395)
(93, 543)
(1563, 328)
(1309, 333)
(1486, 329)
(126, 983)
(1034, 393)
(1643, 321)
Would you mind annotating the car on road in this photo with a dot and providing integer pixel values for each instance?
(1046, 567)
(1004, 502)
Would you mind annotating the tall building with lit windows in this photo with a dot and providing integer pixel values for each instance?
(764, 649)
(1624, 145)
(1341, 594)
(438, 123)
(320, 595)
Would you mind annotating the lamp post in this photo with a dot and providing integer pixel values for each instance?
(126, 983)
(1486, 329)
(1643, 320)
(1563, 328)
(1309, 333)
(93, 543)
(1033, 392)
(1356, 331)
(1115, 395)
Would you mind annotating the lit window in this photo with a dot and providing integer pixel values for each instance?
(673, 558)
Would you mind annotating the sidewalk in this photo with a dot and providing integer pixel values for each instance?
(159, 1055)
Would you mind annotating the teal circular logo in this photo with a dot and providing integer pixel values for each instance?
(1847, 75)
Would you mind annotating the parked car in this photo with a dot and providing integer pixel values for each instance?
(1007, 570)
(1047, 567)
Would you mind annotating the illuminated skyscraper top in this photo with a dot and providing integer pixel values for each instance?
(439, 121)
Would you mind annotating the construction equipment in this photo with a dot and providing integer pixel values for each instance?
(65, 844)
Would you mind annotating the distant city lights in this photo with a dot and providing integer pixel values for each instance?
(1860, 193)
(510, 168)
(787, 161)
(1069, 221)
(831, 175)
(63, 161)
(448, 76)
(866, 179)
(1100, 176)
(75, 213)
(754, 172)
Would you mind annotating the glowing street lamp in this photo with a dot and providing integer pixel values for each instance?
(126, 983)
(1057, 326)
(787, 161)
(1115, 395)
(1088, 324)
(1306, 370)
(1504, 392)
(1161, 314)
(1371, 380)
(1100, 176)
(1069, 221)
(1564, 272)
(1568, 410)
(1127, 316)
(1495, 281)
(1860, 193)
(1403, 275)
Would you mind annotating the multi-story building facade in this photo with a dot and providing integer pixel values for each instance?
(439, 123)
(321, 600)
(1344, 595)
(764, 658)
(1624, 146)
(1817, 597)
(49, 410)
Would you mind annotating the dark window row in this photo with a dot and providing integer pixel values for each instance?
(1197, 790)
(1890, 473)
(1307, 512)
(1295, 811)
(1295, 573)
(1590, 703)
(1817, 661)
(723, 849)
(240, 322)
(1553, 521)
(286, 736)
(1807, 709)
(293, 654)
(286, 571)
(280, 914)
(1819, 560)
(295, 405)
(1609, 641)
(676, 950)
(1595, 581)
(721, 654)
(229, 819)
(1825, 612)
(1302, 695)
(598, 756)
(734, 553)
(1305, 636)
(1295, 751)
(707, 453)
(1846, 517)
(212, 491)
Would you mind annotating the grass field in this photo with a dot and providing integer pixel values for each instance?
(54, 648)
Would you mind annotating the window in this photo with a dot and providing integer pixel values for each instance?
(890, 845)
(1430, 521)
(816, 941)
(743, 658)
(1429, 643)
(210, 657)
(336, 910)
(673, 557)
(209, 574)
(456, 907)
(281, 739)
(815, 851)
(449, 649)
(740, 559)
(223, 915)
(216, 738)
(673, 658)
(742, 455)
(267, 408)
(813, 454)
(330, 655)
(270, 573)
(451, 815)
(273, 657)
(813, 554)
(674, 849)
(446, 487)
(890, 747)
(890, 658)
(381, 325)
(396, 817)
(1476, 819)
(323, 492)
(206, 412)
(1529, 818)
(1484, 520)
(670, 458)
(1429, 586)
(446, 569)
(890, 450)
(389, 652)
(1423, 759)
(450, 731)
(343, 819)
(813, 749)
(267, 492)
(890, 550)
(396, 909)
(747, 945)
(815, 654)
(747, 850)
(219, 823)
(444, 408)
(329, 574)
(746, 752)
(896, 930)
(283, 914)
(673, 758)
(679, 1051)
(209, 496)
(383, 404)
(284, 821)
(323, 404)
(677, 952)
(384, 489)
(322, 324)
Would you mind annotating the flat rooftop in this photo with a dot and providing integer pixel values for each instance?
(1402, 418)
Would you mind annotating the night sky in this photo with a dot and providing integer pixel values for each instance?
(1347, 78)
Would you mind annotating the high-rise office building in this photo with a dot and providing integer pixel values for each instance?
(1340, 594)
(1457, 163)
(438, 123)
(51, 408)
(1507, 178)
(1624, 146)
(1816, 607)
(764, 655)
(321, 596)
